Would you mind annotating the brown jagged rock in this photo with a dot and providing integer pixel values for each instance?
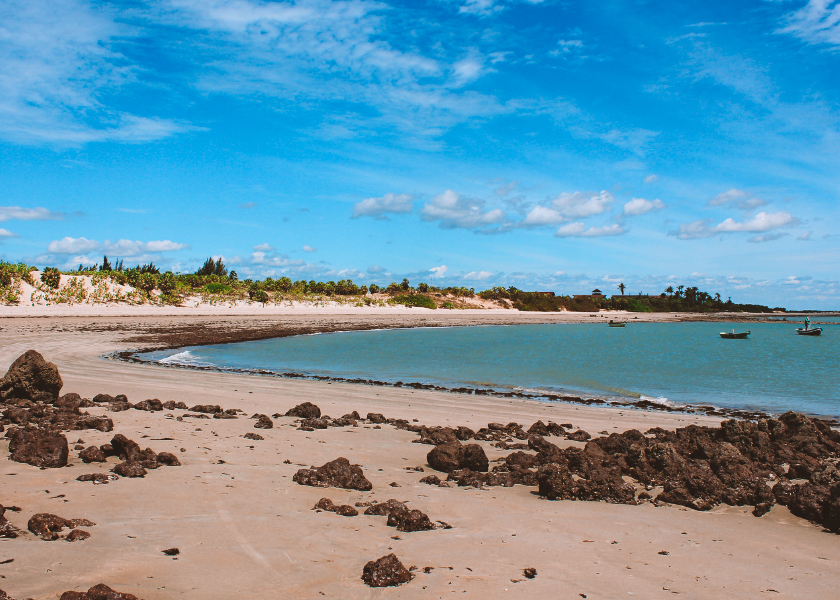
(206, 408)
(253, 436)
(38, 447)
(48, 526)
(377, 418)
(31, 377)
(69, 402)
(92, 454)
(104, 399)
(437, 435)
(17, 415)
(98, 592)
(306, 410)
(7, 530)
(77, 535)
(337, 473)
(530, 572)
(345, 510)
(314, 423)
(129, 469)
(385, 572)
(464, 433)
(152, 404)
(474, 458)
(431, 480)
(168, 459)
(401, 517)
(353, 416)
(579, 436)
(451, 456)
(263, 422)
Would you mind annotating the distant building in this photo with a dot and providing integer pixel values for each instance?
(549, 294)
(596, 293)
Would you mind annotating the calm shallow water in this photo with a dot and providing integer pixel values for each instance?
(680, 363)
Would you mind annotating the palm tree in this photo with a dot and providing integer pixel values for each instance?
(669, 290)
(622, 287)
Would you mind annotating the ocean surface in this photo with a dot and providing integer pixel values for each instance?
(673, 363)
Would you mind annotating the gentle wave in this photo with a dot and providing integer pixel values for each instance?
(185, 358)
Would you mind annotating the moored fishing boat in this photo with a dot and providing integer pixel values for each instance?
(616, 323)
(814, 332)
(733, 335)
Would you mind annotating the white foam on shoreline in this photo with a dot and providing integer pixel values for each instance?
(660, 400)
(184, 358)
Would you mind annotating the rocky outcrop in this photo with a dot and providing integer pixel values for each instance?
(345, 510)
(31, 378)
(452, 456)
(97, 478)
(263, 422)
(307, 410)
(98, 592)
(384, 572)
(7, 530)
(38, 447)
(149, 405)
(92, 454)
(48, 526)
(337, 473)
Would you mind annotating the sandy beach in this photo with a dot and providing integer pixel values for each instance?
(245, 529)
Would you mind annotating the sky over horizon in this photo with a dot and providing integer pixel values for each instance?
(543, 144)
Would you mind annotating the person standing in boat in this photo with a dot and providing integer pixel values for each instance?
(807, 323)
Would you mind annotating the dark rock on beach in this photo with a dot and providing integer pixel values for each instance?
(48, 526)
(307, 410)
(452, 456)
(345, 510)
(253, 436)
(98, 592)
(7, 530)
(376, 418)
(206, 408)
(38, 447)
(92, 454)
(31, 378)
(99, 478)
(386, 571)
(150, 405)
(337, 473)
(263, 422)
(130, 469)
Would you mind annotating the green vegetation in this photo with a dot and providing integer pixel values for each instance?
(212, 283)
(418, 300)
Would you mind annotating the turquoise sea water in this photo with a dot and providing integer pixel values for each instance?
(679, 363)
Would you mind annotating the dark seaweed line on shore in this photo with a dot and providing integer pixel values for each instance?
(749, 415)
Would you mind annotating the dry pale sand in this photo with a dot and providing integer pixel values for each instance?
(245, 530)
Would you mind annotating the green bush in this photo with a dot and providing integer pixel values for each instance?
(167, 283)
(448, 305)
(51, 278)
(217, 288)
(5, 276)
(260, 296)
(418, 300)
(146, 282)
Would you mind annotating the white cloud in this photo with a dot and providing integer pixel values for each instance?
(542, 215)
(738, 199)
(504, 190)
(379, 207)
(478, 275)
(581, 204)
(580, 230)
(69, 245)
(55, 58)
(134, 248)
(558, 273)
(480, 7)
(310, 249)
(805, 236)
(766, 237)
(818, 22)
(264, 248)
(651, 178)
(438, 271)
(5, 233)
(760, 223)
(640, 206)
(454, 210)
(468, 69)
(17, 213)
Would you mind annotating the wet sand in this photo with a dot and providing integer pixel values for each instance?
(246, 530)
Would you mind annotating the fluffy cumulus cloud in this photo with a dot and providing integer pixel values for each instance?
(652, 178)
(736, 198)
(438, 272)
(81, 245)
(310, 249)
(17, 213)
(478, 275)
(5, 233)
(452, 210)
(760, 223)
(579, 205)
(541, 216)
(264, 248)
(640, 206)
(381, 207)
(579, 229)
(69, 245)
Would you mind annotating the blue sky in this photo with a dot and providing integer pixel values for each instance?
(549, 144)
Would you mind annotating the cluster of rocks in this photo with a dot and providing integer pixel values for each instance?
(310, 418)
(135, 460)
(404, 518)
(498, 433)
(345, 510)
(337, 473)
(48, 526)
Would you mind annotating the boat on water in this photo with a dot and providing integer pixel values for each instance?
(807, 329)
(733, 335)
(814, 332)
(616, 323)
